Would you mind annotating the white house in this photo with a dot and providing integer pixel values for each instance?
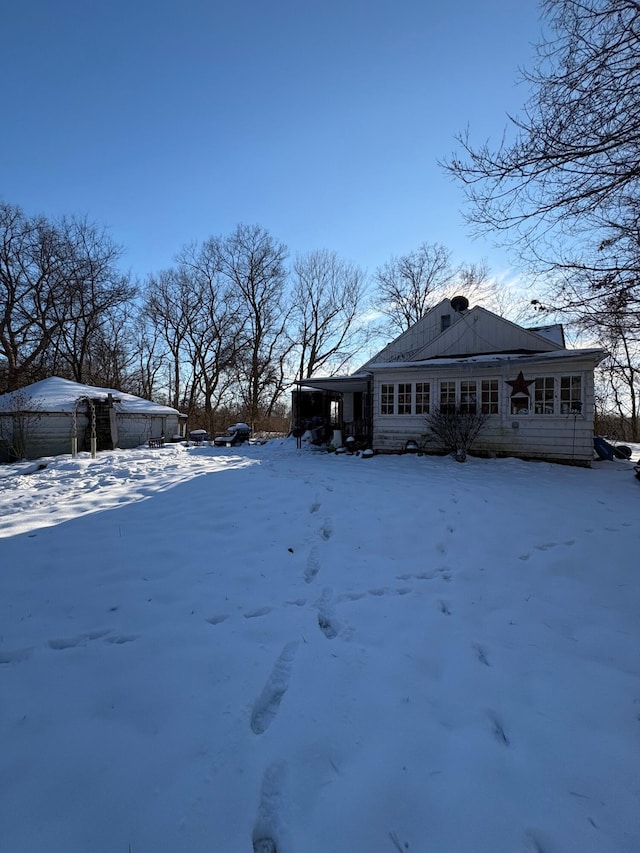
(537, 394)
(40, 419)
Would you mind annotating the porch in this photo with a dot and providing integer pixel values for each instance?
(333, 405)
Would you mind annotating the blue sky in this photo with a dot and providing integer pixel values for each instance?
(323, 122)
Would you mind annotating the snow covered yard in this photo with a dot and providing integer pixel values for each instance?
(201, 648)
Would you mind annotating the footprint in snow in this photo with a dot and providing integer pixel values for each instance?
(62, 643)
(269, 832)
(326, 531)
(261, 611)
(15, 655)
(351, 596)
(327, 621)
(216, 620)
(313, 565)
(122, 639)
(266, 705)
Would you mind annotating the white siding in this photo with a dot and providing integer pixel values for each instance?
(559, 437)
(134, 430)
(49, 433)
(480, 331)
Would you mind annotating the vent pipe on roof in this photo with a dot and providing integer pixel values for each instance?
(459, 303)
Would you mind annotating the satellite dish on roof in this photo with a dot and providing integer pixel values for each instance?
(459, 303)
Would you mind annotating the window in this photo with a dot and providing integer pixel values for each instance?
(445, 322)
(422, 398)
(447, 396)
(570, 394)
(489, 401)
(468, 398)
(520, 404)
(544, 396)
(404, 398)
(386, 399)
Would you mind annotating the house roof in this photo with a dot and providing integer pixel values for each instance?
(443, 331)
(414, 339)
(479, 331)
(444, 336)
(594, 355)
(61, 395)
(554, 333)
(356, 382)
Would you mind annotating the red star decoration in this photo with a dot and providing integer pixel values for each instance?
(520, 385)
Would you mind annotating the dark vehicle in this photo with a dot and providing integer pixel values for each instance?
(236, 434)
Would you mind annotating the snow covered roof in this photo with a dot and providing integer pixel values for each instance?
(355, 382)
(358, 382)
(496, 358)
(61, 395)
(554, 333)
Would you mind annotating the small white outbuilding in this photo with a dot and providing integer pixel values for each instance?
(41, 419)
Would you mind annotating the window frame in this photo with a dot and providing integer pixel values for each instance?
(489, 405)
(542, 403)
(423, 398)
(468, 406)
(447, 402)
(569, 407)
(404, 398)
(387, 398)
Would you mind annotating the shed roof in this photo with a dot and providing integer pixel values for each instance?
(61, 395)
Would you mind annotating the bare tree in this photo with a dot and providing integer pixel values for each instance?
(474, 281)
(214, 332)
(111, 357)
(58, 283)
(614, 324)
(31, 284)
(148, 371)
(169, 305)
(409, 285)
(564, 186)
(253, 262)
(89, 312)
(328, 296)
(19, 417)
